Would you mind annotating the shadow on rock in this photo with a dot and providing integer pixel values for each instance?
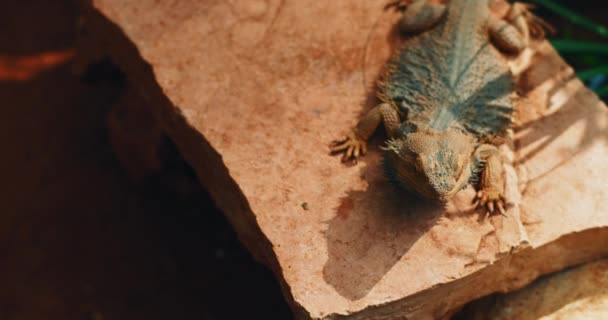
(371, 231)
(573, 105)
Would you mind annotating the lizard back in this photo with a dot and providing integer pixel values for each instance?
(452, 76)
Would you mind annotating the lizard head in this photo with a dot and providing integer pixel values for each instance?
(434, 164)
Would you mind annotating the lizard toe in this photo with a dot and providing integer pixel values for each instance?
(492, 200)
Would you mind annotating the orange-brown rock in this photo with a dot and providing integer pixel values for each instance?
(252, 92)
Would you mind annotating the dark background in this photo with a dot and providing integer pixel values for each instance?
(78, 239)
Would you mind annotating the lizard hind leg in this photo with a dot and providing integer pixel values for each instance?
(521, 16)
(512, 33)
(418, 15)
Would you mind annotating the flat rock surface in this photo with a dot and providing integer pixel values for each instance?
(252, 93)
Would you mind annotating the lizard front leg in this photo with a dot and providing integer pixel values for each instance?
(354, 144)
(492, 184)
(512, 33)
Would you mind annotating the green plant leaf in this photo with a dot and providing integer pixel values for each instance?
(573, 17)
(587, 74)
(574, 46)
(602, 91)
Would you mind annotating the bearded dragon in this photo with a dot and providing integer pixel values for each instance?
(447, 98)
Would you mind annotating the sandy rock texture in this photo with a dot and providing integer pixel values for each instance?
(578, 293)
(252, 92)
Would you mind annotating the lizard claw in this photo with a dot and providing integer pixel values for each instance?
(492, 200)
(351, 145)
(537, 26)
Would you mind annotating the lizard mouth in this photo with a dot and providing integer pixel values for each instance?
(460, 184)
(427, 176)
(447, 190)
(446, 196)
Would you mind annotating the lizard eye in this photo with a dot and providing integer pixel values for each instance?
(407, 127)
(400, 103)
(460, 162)
(418, 163)
(455, 164)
